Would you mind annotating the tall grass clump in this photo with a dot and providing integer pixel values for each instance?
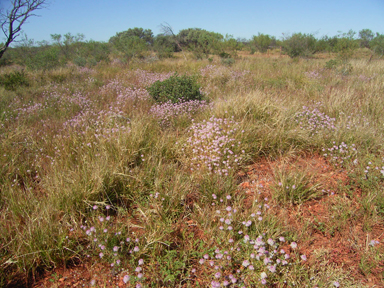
(294, 187)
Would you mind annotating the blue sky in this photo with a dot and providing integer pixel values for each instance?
(101, 19)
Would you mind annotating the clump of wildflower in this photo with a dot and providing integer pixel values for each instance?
(314, 121)
(214, 71)
(313, 75)
(341, 154)
(146, 78)
(261, 253)
(167, 111)
(212, 144)
(365, 78)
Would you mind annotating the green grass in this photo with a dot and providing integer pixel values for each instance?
(72, 140)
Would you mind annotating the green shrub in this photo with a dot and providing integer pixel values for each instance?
(300, 45)
(165, 54)
(176, 89)
(227, 61)
(14, 80)
(377, 44)
(224, 55)
(45, 58)
(80, 61)
(331, 64)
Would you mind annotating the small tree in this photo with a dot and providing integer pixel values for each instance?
(67, 44)
(146, 35)
(168, 31)
(299, 45)
(200, 41)
(130, 47)
(262, 42)
(365, 35)
(377, 44)
(164, 46)
(346, 44)
(12, 21)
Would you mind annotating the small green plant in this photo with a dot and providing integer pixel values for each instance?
(346, 69)
(14, 80)
(331, 64)
(172, 267)
(366, 265)
(176, 89)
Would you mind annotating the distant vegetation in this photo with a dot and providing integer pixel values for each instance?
(138, 43)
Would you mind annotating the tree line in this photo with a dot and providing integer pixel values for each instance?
(140, 43)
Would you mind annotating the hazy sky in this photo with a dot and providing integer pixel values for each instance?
(101, 19)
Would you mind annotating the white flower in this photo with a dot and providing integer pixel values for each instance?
(263, 275)
(126, 279)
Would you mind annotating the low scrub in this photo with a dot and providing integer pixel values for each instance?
(14, 80)
(176, 89)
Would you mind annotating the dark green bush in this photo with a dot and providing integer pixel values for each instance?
(331, 64)
(44, 58)
(80, 61)
(224, 55)
(14, 80)
(300, 45)
(176, 89)
(227, 61)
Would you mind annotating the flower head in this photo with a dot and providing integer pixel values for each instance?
(126, 279)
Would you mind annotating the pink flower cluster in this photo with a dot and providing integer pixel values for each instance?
(212, 145)
(165, 112)
(146, 78)
(313, 75)
(315, 121)
(214, 71)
